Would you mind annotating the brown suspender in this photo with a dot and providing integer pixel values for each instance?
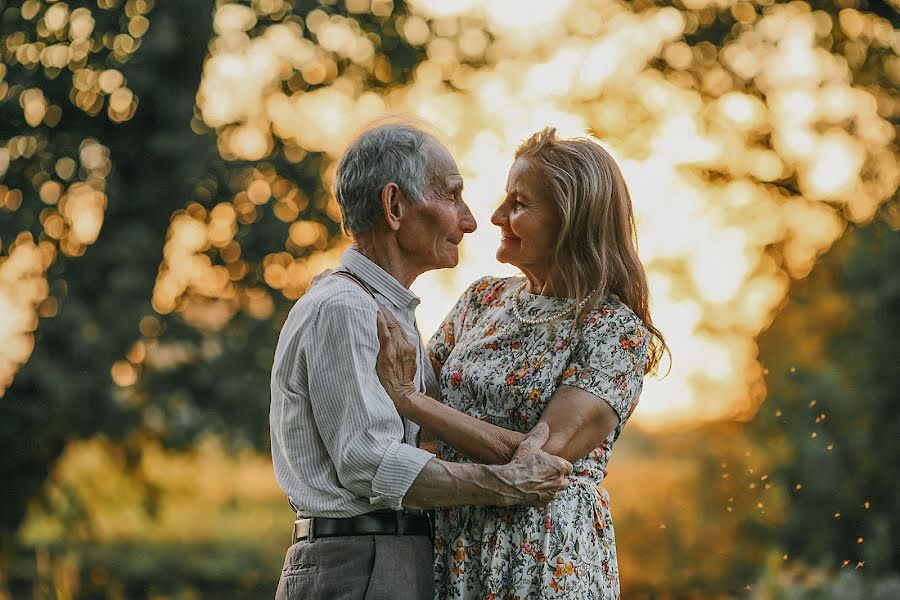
(357, 281)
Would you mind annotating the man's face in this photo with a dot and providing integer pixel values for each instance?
(431, 232)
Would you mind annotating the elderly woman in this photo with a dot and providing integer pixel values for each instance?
(568, 345)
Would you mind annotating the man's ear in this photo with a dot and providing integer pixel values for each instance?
(392, 203)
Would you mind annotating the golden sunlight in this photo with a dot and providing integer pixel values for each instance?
(703, 135)
(719, 242)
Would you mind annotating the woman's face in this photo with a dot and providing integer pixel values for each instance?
(529, 221)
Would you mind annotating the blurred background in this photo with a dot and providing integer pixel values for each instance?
(164, 198)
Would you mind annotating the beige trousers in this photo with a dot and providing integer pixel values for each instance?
(361, 567)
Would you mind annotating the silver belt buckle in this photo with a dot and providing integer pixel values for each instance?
(303, 530)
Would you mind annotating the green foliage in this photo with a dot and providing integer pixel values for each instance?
(162, 159)
(848, 585)
(835, 341)
(832, 357)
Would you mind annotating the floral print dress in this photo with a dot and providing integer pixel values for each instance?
(503, 372)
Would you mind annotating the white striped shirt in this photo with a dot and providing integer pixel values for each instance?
(337, 441)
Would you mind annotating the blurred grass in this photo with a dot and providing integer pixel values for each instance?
(212, 522)
(133, 569)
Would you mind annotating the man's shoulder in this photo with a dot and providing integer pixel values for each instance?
(333, 294)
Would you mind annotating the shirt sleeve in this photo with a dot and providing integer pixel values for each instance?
(355, 417)
(609, 362)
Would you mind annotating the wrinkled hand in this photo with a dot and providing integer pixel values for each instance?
(537, 476)
(396, 362)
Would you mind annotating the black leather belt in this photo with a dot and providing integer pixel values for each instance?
(382, 522)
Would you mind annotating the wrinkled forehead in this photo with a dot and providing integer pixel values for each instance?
(520, 175)
(444, 173)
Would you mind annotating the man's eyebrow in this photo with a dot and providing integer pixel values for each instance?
(454, 182)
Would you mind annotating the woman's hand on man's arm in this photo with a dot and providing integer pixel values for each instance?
(396, 361)
(579, 421)
(396, 366)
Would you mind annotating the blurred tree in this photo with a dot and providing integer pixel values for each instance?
(100, 117)
(97, 295)
(832, 404)
(146, 156)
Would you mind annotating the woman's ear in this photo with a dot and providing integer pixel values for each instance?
(392, 205)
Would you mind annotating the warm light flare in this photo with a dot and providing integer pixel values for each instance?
(704, 137)
(713, 247)
(23, 286)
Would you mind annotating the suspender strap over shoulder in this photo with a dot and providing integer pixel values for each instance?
(355, 279)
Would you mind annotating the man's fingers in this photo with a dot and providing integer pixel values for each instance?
(537, 437)
(553, 485)
(542, 499)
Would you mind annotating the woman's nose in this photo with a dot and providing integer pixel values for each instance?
(499, 216)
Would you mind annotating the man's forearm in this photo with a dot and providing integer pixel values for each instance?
(442, 484)
(476, 439)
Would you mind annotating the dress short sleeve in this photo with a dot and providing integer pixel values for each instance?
(609, 361)
(444, 339)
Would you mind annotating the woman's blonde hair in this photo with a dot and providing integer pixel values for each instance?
(596, 253)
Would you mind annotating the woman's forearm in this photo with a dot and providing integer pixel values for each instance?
(479, 441)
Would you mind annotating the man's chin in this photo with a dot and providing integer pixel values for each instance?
(448, 261)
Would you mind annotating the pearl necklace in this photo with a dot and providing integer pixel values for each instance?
(517, 310)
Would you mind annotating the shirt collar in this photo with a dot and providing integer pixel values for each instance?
(379, 279)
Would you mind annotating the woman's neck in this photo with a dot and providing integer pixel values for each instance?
(543, 283)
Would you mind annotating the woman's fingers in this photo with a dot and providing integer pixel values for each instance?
(392, 320)
(389, 319)
(395, 330)
(384, 330)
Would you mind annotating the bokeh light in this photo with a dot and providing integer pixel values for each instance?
(745, 162)
(71, 188)
(165, 176)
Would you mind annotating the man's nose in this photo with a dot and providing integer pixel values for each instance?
(467, 221)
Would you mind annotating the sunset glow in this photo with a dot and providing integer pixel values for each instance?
(702, 134)
(719, 251)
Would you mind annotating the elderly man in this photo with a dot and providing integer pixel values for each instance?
(349, 464)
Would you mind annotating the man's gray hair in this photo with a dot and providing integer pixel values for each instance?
(384, 154)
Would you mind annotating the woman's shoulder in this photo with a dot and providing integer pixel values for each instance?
(488, 290)
(611, 315)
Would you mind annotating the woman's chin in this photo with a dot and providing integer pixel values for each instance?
(504, 256)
